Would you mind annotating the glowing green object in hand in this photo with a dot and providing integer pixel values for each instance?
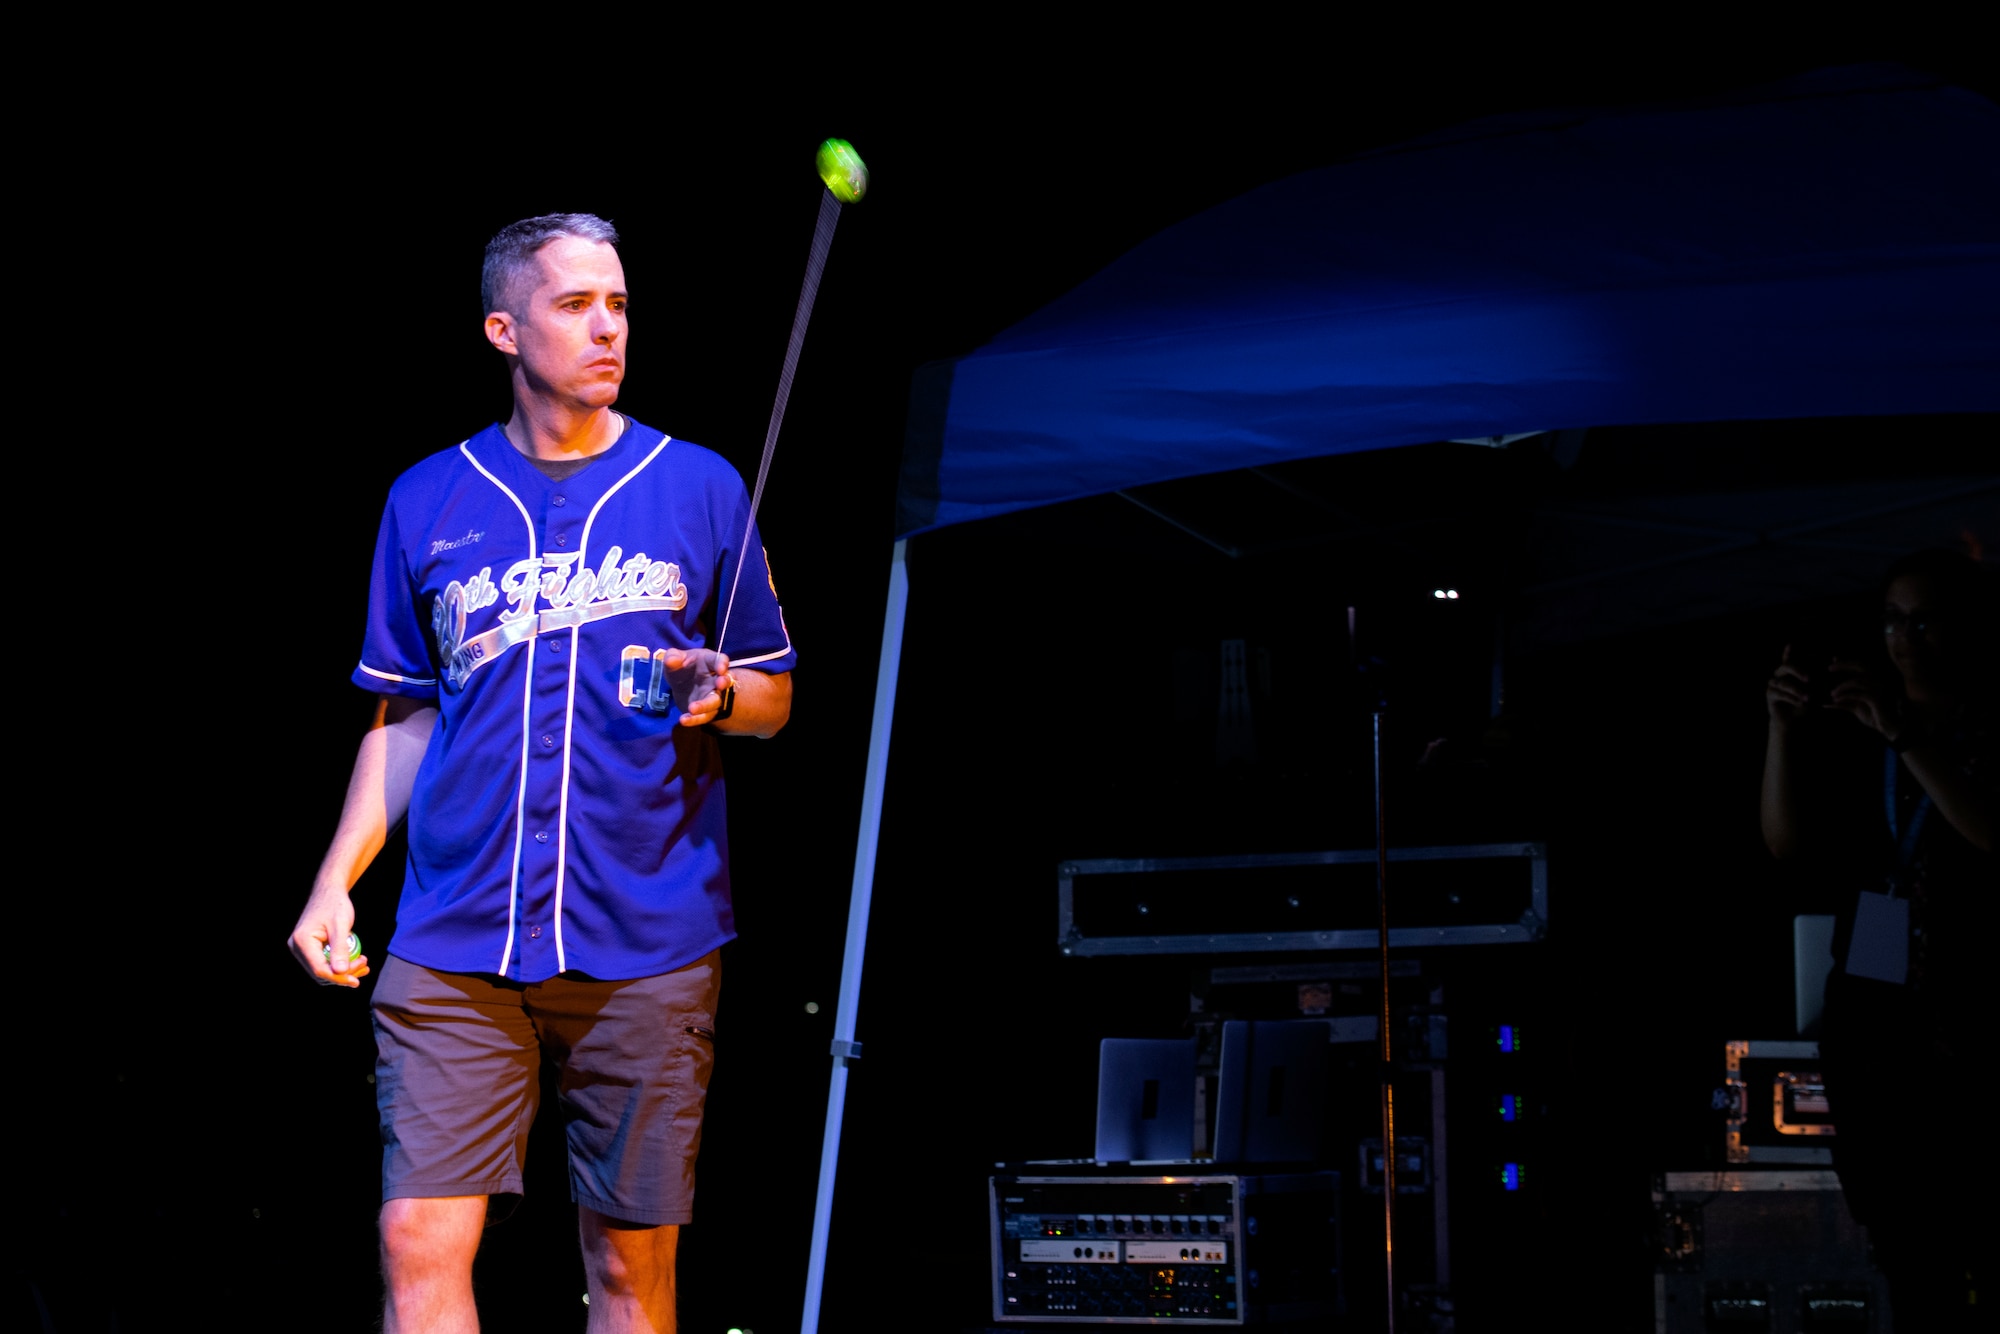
(353, 948)
(843, 171)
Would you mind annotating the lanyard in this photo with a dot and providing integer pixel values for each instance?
(1906, 839)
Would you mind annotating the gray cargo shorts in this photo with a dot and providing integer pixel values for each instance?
(457, 1082)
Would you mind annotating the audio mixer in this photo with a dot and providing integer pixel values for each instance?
(1213, 1249)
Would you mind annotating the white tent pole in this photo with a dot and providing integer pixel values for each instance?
(845, 1049)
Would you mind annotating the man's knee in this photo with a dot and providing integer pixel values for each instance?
(628, 1257)
(432, 1233)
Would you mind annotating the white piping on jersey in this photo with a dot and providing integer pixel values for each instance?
(527, 719)
(520, 809)
(391, 676)
(569, 705)
(766, 657)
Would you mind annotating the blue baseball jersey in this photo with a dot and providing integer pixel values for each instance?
(561, 820)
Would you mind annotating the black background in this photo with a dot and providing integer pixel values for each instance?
(279, 314)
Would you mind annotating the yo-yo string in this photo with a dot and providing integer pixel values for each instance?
(829, 215)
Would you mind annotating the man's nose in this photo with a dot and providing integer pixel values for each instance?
(605, 330)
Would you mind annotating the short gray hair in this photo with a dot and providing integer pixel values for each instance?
(510, 256)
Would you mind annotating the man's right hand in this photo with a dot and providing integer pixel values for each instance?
(328, 918)
(378, 796)
(1788, 693)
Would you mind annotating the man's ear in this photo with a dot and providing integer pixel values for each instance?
(500, 332)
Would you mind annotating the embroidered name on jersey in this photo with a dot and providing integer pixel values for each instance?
(574, 597)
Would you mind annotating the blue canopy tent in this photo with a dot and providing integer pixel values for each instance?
(1829, 246)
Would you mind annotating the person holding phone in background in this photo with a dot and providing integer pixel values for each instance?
(1907, 1027)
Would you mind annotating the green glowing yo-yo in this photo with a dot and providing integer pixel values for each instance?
(353, 948)
(843, 170)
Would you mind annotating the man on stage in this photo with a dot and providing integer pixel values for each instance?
(543, 630)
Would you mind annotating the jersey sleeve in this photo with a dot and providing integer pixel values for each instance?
(754, 635)
(396, 650)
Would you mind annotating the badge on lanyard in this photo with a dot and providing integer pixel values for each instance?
(1880, 946)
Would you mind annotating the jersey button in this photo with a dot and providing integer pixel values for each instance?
(548, 740)
(542, 837)
(559, 500)
(534, 932)
(562, 539)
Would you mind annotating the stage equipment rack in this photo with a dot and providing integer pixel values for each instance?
(1480, 894)
(1777, 1105)
(1308, 989)
(1766, 1249)
(1212, 1248)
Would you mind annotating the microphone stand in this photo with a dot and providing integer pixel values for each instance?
(1387, 1070)
(1388, 1085)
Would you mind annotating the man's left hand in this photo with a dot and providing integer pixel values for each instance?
(698, 677)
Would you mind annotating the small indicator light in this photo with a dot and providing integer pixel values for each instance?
(1510, 1176)
(1510, 1107)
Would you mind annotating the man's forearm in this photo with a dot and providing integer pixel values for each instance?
(763, 704)
(378, 791)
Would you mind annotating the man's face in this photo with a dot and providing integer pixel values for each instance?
(570, 331)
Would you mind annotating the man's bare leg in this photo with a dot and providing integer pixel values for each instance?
(630, 1268)
(427, 1250)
